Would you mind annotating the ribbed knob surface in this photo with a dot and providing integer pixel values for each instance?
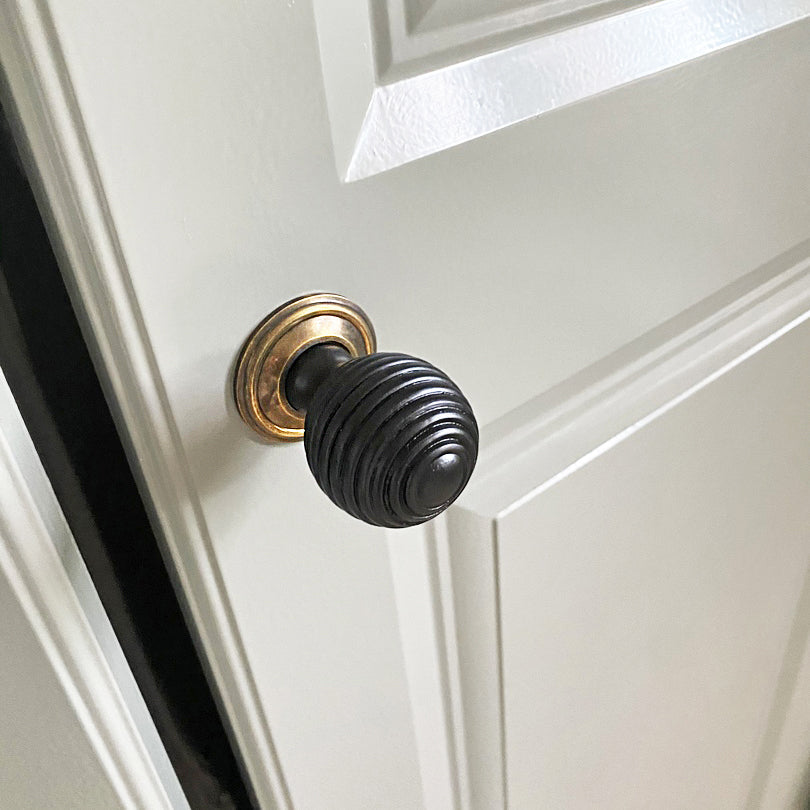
(390, 439)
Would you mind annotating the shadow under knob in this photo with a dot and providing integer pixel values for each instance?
(389, 438)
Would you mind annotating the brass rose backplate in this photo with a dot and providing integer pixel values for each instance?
(259, 381)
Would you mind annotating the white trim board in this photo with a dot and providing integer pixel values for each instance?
(41, 564)
(88, 250)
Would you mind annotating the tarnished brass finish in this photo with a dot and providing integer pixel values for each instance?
(277, 341)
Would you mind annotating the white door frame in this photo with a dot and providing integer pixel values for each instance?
(66, 183)
(40, 564)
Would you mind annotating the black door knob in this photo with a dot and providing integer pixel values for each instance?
(389, 438)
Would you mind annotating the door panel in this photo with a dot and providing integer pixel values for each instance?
(529, 601)
(195, 189)
(647, 600)
(408, 78)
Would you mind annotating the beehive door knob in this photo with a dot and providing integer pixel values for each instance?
(388, 437)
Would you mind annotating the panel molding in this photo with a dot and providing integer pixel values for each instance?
(42, 565)
(381, 119)
(654, 596)
(419, 34)
(423, 597)
(446, 573)
(782, 776)
(560, 431)
(446, 590)
(84, 236)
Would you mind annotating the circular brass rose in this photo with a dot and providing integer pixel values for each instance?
(259, 380)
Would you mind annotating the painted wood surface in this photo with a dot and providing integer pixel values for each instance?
(188, 156)
(648, 599)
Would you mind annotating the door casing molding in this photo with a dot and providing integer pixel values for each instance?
(70, 194)
(42, 566)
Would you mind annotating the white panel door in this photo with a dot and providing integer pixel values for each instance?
(586, 213)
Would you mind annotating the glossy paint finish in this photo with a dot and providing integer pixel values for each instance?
(186, 151)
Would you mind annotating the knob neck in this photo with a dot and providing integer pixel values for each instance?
(310, 370)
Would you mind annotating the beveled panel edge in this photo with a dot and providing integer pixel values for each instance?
(423, 598)
(434, 110)
(84, 236)
(781, 772)
(783, 777)
(449, 29)
(527, 452)
(448, 605)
